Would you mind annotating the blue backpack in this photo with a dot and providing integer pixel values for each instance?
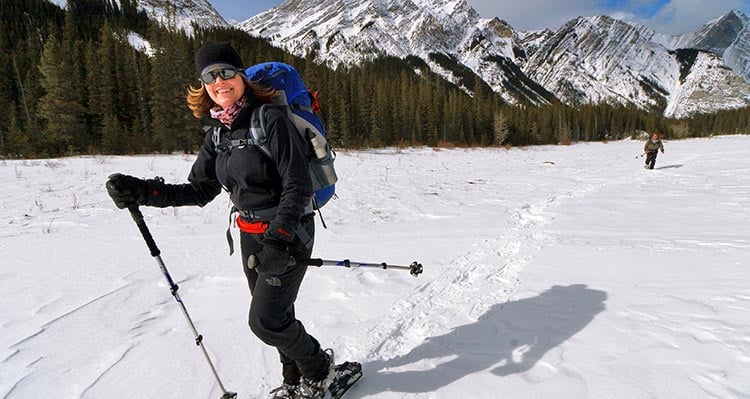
(301, 108)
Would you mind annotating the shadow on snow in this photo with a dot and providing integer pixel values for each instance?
(510, 338)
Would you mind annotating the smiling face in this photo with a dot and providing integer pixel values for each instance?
(226, 92)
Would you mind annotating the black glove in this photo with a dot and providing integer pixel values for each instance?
(126, 190)
(281, 229)
(273, 257)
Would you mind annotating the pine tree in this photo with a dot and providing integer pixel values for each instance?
(59, 107)
(142, 118)
(16, 142)
(129, 98)
(501, 130)
(172, 123)
(93, 115)
(377, 120)
(104, 95)
(564, 130)
(73, 50)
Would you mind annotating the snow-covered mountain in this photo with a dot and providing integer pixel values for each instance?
(706, 84)
(178, 14)
(182, 14)
(589, 59)
(727, 36)
(586, 61)
(448, 34)
(601, 59)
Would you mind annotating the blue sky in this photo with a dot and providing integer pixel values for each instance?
(666, 16)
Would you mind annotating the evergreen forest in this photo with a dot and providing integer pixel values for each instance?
(73, 82)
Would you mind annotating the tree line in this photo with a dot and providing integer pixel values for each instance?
(100, 77)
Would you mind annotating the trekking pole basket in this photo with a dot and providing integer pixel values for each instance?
(415, 268)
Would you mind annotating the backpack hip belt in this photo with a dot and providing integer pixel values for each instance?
(266, 215)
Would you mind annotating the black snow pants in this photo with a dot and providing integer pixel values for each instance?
(651, 159)
(271, 316)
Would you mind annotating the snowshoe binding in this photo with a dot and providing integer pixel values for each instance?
(285, 391)
(338, 381)
(347, 374)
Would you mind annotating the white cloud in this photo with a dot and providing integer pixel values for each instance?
(626, 16)
(536, 14)
(675, 17)
(682, 16)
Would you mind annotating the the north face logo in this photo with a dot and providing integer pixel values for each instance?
(273, 281)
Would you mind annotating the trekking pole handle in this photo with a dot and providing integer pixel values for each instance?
(415, 268)
(138, 218)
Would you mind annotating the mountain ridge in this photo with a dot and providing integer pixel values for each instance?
(590, 59)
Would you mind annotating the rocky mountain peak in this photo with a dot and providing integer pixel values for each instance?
(587, 60)
(182, 14)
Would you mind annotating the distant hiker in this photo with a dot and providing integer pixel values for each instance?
(273, 197)
(651, 149)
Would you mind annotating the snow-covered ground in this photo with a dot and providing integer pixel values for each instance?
(549, 272)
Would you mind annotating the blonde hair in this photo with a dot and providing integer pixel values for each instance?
(201, 103)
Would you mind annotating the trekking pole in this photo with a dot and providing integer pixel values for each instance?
(138, 218)
(415, 268)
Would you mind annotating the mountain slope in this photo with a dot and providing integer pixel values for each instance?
(601, 59)
(348, 32)
(588, 60)
(727, 36)
(182, 14)
(707, 85)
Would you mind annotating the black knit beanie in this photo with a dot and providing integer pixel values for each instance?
(216, 53)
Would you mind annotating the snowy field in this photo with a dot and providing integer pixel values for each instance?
(561, 272)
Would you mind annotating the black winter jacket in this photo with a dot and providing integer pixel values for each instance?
(254, 181)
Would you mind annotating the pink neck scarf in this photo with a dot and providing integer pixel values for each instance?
(227, 116)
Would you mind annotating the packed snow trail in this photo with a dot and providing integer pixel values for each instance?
(473, 285)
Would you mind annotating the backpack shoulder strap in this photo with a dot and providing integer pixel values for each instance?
(256, 134)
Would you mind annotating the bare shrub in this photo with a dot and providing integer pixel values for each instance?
(76, 201)
(53, 163)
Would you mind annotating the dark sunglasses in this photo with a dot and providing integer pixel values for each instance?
(210, 77)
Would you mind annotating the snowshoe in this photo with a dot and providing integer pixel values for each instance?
(317, 389)
(340, 378)
(347, 374)
(285, 391)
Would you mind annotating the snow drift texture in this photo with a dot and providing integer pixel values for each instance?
(567, 272)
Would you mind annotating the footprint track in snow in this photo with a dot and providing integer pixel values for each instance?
(486, 275)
